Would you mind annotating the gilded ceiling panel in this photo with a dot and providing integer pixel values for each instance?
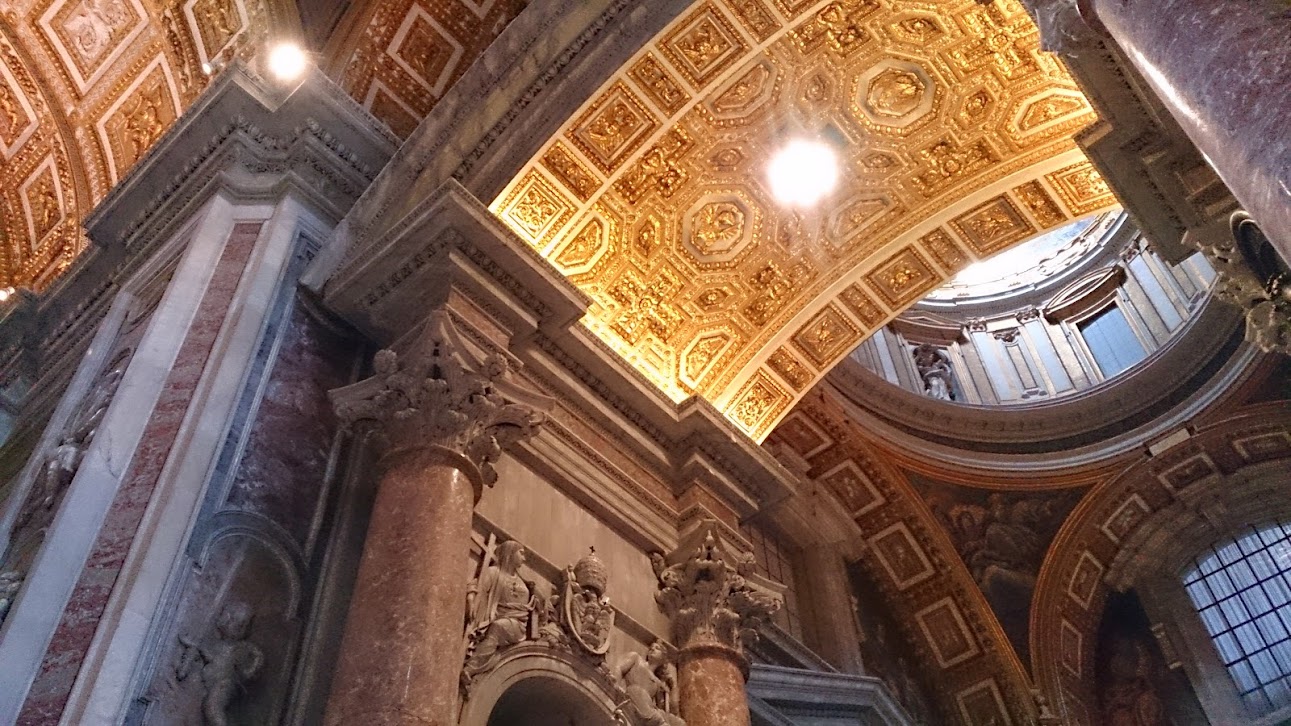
(398, 57)
(41, 206)
(956, 137)
(86, 88)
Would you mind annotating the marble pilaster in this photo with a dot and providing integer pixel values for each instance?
(837, 637)
(441, 419)
(716, 604)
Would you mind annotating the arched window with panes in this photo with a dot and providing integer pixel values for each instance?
(1241, 590)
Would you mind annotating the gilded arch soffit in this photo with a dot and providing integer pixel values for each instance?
(651, 197)
(398, 57)
(952, 630)
(86, 88)
(1072, 588)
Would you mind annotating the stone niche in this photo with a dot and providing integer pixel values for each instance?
(231, 646)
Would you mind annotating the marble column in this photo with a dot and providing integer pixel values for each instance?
(716, 605)
(1223, 69)
(441, 421)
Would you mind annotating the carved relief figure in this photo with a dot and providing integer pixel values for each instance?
(650, 683)
(895, 93)
(45, 211)
(92, 24)
(500, 606)
(144, 121)
(934, 369)
(227, 661)
(613, 128)
(11, 113)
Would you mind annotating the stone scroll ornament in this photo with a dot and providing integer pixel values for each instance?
(435, 398)
(709, 599)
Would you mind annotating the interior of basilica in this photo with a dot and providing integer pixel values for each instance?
(645, 363)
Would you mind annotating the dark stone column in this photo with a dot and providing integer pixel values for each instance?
(1223, 69)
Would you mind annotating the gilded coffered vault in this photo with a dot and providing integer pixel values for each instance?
(87, 87)
(957, 137)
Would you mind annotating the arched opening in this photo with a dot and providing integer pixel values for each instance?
(543, 701)
(1241, 589)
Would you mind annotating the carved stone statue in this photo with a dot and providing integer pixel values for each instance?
(1044, 715)
(64, 461)
(934, 369)
(650, 683)
(500, 606)
(227, 661)
(10, 584)
(55, 475)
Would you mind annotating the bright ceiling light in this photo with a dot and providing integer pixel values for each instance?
(803, 172)
(287, 61)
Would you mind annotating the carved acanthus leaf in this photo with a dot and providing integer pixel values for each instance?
(433, 396)
(710, 599)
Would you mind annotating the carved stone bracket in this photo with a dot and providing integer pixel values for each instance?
(1246, 276)
(437, 399)
(713, 596)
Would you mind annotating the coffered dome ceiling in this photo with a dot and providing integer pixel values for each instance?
(957, 136)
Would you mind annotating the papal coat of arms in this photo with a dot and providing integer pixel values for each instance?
(584, 610)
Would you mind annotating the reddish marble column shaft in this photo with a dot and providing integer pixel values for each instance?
(402, 651)
(711, 681)
(1223, 69)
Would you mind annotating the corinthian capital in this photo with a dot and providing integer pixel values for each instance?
(438, 397)
(712, 596)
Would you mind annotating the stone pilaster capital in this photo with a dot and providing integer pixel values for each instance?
(438, 398)
(713, 596)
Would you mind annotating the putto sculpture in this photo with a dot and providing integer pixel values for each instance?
(650, 683)
(227, 661)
